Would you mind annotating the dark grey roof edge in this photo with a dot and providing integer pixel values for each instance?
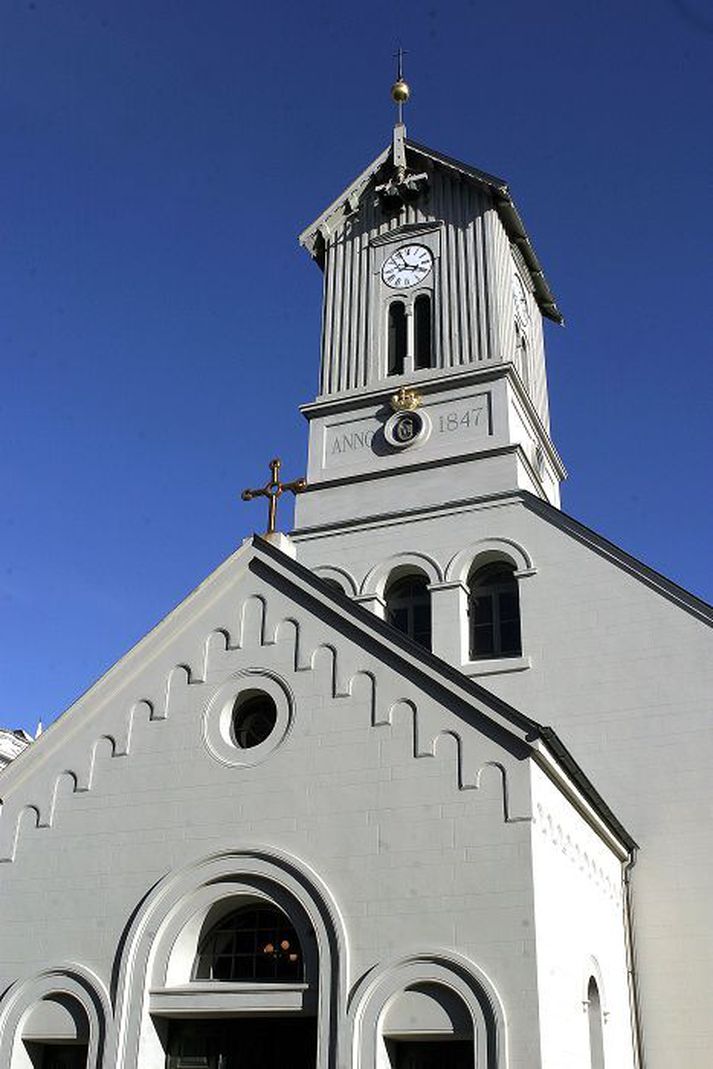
(585, 785)
(631, 564)
(345, 604)
(450, 161)
(511, 220)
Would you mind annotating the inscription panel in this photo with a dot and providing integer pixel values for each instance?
(456, 424)
(467, 417)
(349, 442)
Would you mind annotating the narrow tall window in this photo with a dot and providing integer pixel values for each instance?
(422, 332)
(494, 612)
(522, 360)
(596, 1033)
(397, 338)
(408, 608)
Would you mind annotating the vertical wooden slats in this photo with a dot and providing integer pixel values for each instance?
(440, 282)
(348, 312)
(474, 313)
(327, 342)
(460, 224)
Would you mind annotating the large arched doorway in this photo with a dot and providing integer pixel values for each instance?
(55, 1034)
(253, 1007)
(428, 1027)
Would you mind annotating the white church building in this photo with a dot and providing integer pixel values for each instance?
(425, 784)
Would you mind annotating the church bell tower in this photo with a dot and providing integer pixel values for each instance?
(433, 383)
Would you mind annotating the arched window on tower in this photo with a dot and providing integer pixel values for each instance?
(408, 607)
(494, 608)
(522, 358)
(596, 1032)
(397, 337)
(423, 331)
(253, 944)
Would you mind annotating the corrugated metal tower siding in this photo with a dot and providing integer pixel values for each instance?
(539, 387)
(474, 317)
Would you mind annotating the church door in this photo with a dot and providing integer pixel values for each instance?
(431, 1054)
(243, 1043)
(58, 1055)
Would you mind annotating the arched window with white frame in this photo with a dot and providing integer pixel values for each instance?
(252, 986)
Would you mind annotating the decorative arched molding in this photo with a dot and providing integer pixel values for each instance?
(175, 899)
(252, 621)
(592, 970)
(487, 550)
(215, 649)
(73, 981)
(339, 575)
(10, 830)
(369, 1000)
(400, 564)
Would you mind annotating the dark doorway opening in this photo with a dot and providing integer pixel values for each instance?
(58, 1055)
(430, 1053)
(243, 1043)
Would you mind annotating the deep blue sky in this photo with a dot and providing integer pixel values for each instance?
(159, 323)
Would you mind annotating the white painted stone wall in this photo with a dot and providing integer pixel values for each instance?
(579, 917)
(624, 673)
(421, 866)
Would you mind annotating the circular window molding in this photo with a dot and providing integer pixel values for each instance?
(406, 428)
(247, 718)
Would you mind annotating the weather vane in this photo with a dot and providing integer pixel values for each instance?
(272, 490)
(400, 91)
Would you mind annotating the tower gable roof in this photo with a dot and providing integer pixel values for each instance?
(333, 218)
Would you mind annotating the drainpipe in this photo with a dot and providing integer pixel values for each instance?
(634, 1007)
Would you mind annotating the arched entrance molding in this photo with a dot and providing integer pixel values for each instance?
(369, 1002)
(169, 906)
(71, 980)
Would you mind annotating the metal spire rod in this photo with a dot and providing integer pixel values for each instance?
(400, 90)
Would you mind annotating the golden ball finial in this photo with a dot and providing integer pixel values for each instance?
(400, 91)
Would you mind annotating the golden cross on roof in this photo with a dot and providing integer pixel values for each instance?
(272, 490)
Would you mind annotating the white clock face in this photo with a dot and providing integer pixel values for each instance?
(406, 267)
(520, 299)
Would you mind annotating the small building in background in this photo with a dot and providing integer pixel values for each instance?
(12, 743)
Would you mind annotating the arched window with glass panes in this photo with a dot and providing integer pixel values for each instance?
(253, 944)
(494, 611)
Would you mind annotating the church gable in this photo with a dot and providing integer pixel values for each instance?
(169, 708)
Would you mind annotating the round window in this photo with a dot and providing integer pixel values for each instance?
(247, 717)
(254, 719)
